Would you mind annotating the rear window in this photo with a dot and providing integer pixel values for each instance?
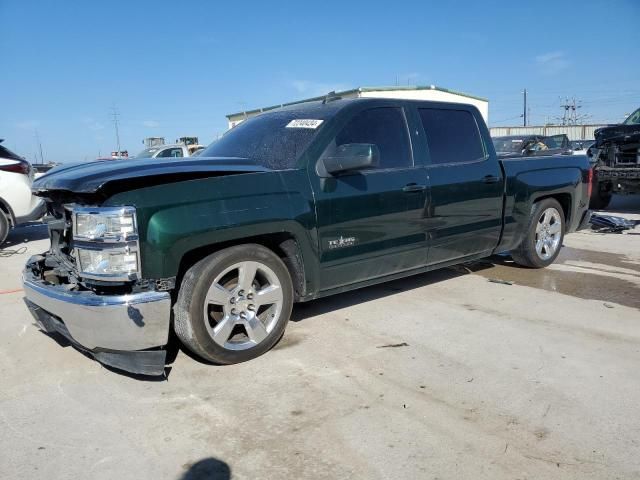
(508, 144)
(147, 153)
(452, 136)
(270, 139)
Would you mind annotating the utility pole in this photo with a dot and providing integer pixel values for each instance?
(115, 116)
(524, 110)
(570, 112)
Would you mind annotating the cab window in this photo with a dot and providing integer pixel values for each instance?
(384, 127)
(452, 135)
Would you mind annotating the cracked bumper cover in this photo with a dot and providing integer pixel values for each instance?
(122, 331)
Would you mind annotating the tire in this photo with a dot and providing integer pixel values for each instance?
(5, 226)
(599, 200)
(543, 237)
(220, 317)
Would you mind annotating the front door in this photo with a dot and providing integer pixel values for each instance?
(466, 181)
(370, 222)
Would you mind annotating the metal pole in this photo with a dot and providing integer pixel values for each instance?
(39, 146)
(524, 113)
(115, 122)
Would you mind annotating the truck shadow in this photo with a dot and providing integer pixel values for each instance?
(302, 311)
(624, 204)
(26, 233)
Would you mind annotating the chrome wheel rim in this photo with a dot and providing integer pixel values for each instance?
(548, 233)
(242, 305)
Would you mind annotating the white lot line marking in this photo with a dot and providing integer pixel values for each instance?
(24, 329)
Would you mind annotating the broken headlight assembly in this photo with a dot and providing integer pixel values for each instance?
(106, 243)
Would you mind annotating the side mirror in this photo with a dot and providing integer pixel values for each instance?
(352, 156)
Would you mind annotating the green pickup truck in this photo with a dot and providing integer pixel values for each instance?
(292, 205)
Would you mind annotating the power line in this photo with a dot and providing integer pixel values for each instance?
(570, 112)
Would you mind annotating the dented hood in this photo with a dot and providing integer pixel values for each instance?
(617, 134)
(91, 177)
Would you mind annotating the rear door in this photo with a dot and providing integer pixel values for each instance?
(466, 184)
(370, 222)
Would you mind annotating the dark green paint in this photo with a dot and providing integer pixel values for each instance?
(456, 217)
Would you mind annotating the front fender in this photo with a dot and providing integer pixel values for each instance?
(177, 218)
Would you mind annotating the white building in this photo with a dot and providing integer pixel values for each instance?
(430, 92)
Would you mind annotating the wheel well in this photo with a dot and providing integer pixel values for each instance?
(282, 244)
(564, 199)
(7, 210)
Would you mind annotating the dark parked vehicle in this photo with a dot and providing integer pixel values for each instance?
(580, 147)
(292, 205)
(531, 145)
(616, 155)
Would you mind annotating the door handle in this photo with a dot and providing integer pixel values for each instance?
(490, 179)
(414, 187)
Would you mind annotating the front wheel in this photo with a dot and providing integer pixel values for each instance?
(544, 235)
(234, 304)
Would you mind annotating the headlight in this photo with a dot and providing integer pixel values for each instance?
(110, 223)
(107, 262)
(105, 241)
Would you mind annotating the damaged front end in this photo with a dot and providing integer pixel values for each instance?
(616, 154)
(88, 288)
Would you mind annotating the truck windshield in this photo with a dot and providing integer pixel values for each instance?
(634, 118)
(274, 140)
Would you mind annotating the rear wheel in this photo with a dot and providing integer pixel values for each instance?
(4, 227)
(234, 305)
(544, 235)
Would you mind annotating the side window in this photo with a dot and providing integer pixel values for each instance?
(556, 141)
(384, 127)
(551, 142)
(452, 135)
(171, 152)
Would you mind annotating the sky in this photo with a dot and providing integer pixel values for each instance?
(176, 69)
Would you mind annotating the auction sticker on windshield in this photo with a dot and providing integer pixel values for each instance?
(304, 123)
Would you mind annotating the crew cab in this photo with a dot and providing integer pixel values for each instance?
(616, 158)
(292, 205)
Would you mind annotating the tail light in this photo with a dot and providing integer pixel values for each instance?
(19, 166)
(589, 182)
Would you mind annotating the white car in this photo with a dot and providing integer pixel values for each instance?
(169, 151)
(17, 204)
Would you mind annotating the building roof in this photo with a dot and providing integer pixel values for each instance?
(357, 90)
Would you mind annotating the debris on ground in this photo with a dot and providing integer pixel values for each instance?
(394, 345)
(611, 224)
(498, 280)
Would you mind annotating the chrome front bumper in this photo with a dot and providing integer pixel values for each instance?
(117, 330)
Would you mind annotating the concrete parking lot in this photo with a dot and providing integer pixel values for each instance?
(455, 374)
